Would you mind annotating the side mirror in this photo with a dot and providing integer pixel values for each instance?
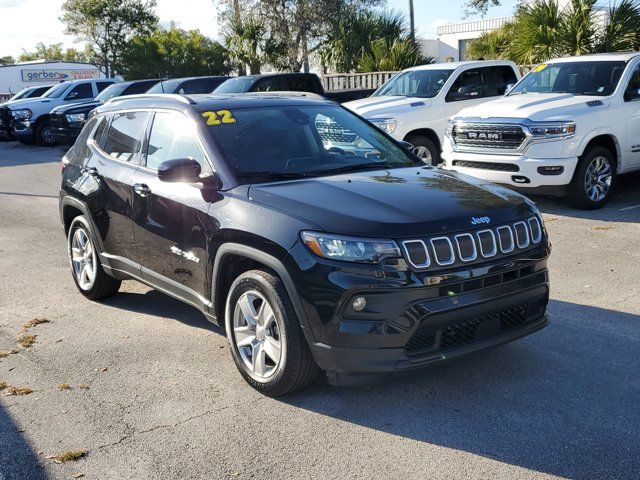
(185, 170)
(71, 96)
(509, 87)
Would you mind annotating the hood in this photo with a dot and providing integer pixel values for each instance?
(393, 203)
(83, 107)
(537, 107)
(386, 105)
(25, 103)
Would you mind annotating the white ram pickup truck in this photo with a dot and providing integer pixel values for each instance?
(415, 104)
(568, 128)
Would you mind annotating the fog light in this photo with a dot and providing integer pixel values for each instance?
(520, 179)
(552, 170)
(359, 304)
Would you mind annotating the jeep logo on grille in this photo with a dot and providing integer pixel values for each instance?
(484, 136)
(480, 220)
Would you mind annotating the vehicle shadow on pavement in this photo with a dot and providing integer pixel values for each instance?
(624, 206)
(564, 401)
(158, 304)
(18, 154)
(17, 458)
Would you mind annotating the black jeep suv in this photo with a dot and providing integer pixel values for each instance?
(312, 237)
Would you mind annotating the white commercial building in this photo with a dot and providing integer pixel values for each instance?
(14, 78)
(453, 38)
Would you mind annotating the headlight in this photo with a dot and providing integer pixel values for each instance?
(75, 117)
(24, 114)
(553, 130)
(350, 249)
(386, 124)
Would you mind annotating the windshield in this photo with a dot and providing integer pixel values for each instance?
(266, 143)
(22, 94)
(111, 91)
(57, 91)
(577, 78)
(235, 85)
(415, 83)
(165, 86)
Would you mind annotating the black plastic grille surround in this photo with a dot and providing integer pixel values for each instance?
(495, 166)
(474, 246)
(430, 339)
(5, 117)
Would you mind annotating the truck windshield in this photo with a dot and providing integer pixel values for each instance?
(578, 78)
(236, 85)
(415, 83)
(165, 86)
(269, 143)
(57, 91)
(111, 91)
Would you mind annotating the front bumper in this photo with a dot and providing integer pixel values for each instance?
(63, 131)
(22, 129)
(520, 171)
(412, 320)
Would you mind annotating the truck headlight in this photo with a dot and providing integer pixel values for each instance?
(75, 117)
(386, 124)
(350, 249)
(24, 114)
(553, 129)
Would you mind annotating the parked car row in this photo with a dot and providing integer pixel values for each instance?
(568, 128)
(59, 112)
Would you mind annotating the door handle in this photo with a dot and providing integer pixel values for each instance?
(141, 189)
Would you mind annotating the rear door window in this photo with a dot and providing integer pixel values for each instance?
(102, 85)
(302, 83)
(270, 84)
(125, 135)
(503, 76)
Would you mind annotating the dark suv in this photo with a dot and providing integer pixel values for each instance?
(312, 237)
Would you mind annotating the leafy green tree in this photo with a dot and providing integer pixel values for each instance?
(108, 25)
(354, 36)
(473, 7)
(172, 52)
(54, 52)
(393, 55)
(8, 60)
(248, 45)
(622, 32)
(493, 44)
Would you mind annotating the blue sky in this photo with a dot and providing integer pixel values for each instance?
(431, 13)
(21, 29)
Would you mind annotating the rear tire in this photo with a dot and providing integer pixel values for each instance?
(594, 179)
(426, 149)
(88, 274)
(267, 343)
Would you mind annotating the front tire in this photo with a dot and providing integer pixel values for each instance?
(594, 179)
(426, 149)
(43, 135)
(265, 337)
(88, 274)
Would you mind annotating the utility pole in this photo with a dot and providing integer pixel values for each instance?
(412, 21)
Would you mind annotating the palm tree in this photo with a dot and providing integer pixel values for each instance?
(391, 56)
(247, 44)
(622, 31)
(493, 44)
(538, 26)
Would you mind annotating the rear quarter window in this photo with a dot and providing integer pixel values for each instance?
(80, 151)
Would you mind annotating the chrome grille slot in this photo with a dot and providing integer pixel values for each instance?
(473, 136)
(505, 237)
(466, 247)
(443, 251)
(417, 253)
(522, 234)
(536, 230)
(488, 244)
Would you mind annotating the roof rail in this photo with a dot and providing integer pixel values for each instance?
(286, 93)
(158, 96)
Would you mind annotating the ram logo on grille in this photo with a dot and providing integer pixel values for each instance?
(483, 136)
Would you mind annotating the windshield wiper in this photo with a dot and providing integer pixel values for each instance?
(275, 175)
(355, 167)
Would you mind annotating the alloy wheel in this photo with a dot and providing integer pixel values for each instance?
(83, 259)
(598, 178)
(424, 153)
(257, 334)
(47, 135)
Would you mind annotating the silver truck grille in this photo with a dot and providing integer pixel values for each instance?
(467, 247)
(474, 136)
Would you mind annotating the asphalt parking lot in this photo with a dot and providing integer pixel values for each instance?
(153, 392)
